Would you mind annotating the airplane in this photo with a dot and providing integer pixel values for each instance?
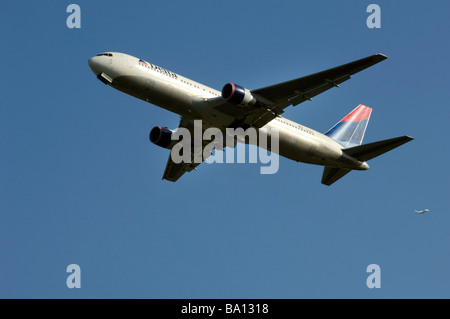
(339, 150)
(421, 211)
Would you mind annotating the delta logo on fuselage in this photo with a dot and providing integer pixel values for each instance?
(157, 68)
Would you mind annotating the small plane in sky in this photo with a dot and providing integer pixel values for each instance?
(339, 150)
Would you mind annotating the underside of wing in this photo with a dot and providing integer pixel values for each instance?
(175, 169)
(305, 88)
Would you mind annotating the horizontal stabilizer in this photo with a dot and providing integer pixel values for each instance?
(362, 153)
(368, 151)
(332, 174)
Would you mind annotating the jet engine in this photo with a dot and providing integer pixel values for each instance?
(162, 136)
(237, 95)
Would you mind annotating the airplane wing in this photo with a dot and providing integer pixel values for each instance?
(174, 170)
(279, 96)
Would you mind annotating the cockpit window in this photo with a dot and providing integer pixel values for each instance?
(105, 54)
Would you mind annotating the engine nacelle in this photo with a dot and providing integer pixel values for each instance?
(237, 95)
(162, 136)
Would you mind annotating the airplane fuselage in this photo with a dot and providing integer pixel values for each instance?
(187, 98)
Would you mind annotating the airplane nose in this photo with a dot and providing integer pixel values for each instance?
(94, 65)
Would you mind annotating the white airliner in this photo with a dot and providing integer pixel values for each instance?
(422, 211)
(339, 149)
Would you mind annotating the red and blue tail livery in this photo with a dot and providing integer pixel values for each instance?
(350, 130)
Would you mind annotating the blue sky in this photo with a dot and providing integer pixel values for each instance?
(81, 183)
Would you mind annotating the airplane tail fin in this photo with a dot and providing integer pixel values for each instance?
(363, 153)
(350, 130)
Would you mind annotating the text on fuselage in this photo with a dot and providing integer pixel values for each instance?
(157, 68)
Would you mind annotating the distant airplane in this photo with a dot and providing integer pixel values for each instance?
(421, 211)
(339, 149)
